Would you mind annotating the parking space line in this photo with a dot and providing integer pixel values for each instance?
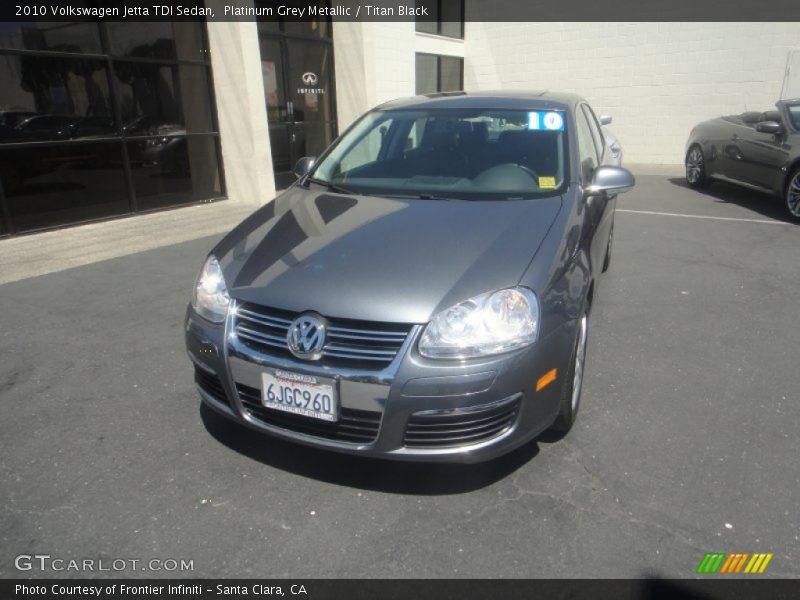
(666, 214)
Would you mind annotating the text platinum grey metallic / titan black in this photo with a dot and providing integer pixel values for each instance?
(424, 291)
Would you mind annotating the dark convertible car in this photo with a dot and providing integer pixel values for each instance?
(423, 292)
(758, 150)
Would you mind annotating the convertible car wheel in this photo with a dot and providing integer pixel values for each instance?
(793, 194)
(696, 168)
(571, 399)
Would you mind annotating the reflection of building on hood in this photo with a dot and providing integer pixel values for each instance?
(294, 232)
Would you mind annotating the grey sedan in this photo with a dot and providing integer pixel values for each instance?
(424, 290)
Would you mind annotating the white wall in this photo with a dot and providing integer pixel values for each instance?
(656, 79)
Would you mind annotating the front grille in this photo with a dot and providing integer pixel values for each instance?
(349, 343)
(211, 385)
(459, 428)
(354, 426)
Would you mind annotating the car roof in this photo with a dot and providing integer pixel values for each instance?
(489, 99)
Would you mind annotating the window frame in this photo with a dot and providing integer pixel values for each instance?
(594, 127)
(439, 58)
(438, 22)
(580, 114)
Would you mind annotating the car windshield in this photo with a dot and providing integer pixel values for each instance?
(475, 154)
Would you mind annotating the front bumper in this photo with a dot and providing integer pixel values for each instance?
(414, 409)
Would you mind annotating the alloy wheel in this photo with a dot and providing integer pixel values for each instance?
(694, 165)
(793, 195)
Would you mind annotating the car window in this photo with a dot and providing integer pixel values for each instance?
(794, 115)
(367, 149)
(597, 134)
(467, 153)
(586, 149)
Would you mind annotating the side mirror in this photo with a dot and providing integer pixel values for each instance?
(612, 180)
(772, 127)
(304, 165)
(605, 120)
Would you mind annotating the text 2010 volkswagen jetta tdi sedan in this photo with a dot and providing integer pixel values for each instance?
(424, 290)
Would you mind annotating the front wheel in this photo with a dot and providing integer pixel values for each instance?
(571, 397)
(793, 194)
(696, 168)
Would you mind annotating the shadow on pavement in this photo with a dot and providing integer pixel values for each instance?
(765, 204)
(427, 479)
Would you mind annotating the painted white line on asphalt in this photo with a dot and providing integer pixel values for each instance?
(666, 214)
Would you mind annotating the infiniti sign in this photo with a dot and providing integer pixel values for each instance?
(310, 81)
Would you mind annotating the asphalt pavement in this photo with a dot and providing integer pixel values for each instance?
(687, 442)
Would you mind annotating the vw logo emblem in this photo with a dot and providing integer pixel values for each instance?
(309, 78)
(306, 337)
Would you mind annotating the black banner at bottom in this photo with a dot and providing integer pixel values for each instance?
(405, 589)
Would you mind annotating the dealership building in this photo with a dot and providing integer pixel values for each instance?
(100, 120)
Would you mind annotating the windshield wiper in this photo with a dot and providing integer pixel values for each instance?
(422, 196)
(332, 187)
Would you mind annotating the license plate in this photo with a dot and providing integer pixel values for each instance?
(299, 394)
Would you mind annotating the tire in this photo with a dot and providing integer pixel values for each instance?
(607, 259)
(791, 196)
(571, 396)
(695, 164)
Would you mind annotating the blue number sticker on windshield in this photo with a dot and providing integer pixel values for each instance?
(551, 121)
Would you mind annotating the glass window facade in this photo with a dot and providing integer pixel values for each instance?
(299, 87)
(436, 73)
(104, 119)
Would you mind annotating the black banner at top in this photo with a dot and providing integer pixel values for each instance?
(399, 10)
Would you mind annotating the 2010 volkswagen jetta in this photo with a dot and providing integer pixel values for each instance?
(423, 291)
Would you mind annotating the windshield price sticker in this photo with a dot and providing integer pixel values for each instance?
(547, 183)
(549, 121)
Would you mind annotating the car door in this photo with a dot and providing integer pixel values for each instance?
(763, 154)
(719, 141)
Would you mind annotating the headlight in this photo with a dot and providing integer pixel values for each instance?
(487, 324)
(210, 298)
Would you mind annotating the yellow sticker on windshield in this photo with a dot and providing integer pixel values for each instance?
(547, 183)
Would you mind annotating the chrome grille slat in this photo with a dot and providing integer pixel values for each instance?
(351, 343)
(276, 322)
(367, 338)
(351, 350)
(354, 356)
(257, 336)
(366, 332)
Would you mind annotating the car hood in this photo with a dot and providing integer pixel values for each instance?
(380, 259)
